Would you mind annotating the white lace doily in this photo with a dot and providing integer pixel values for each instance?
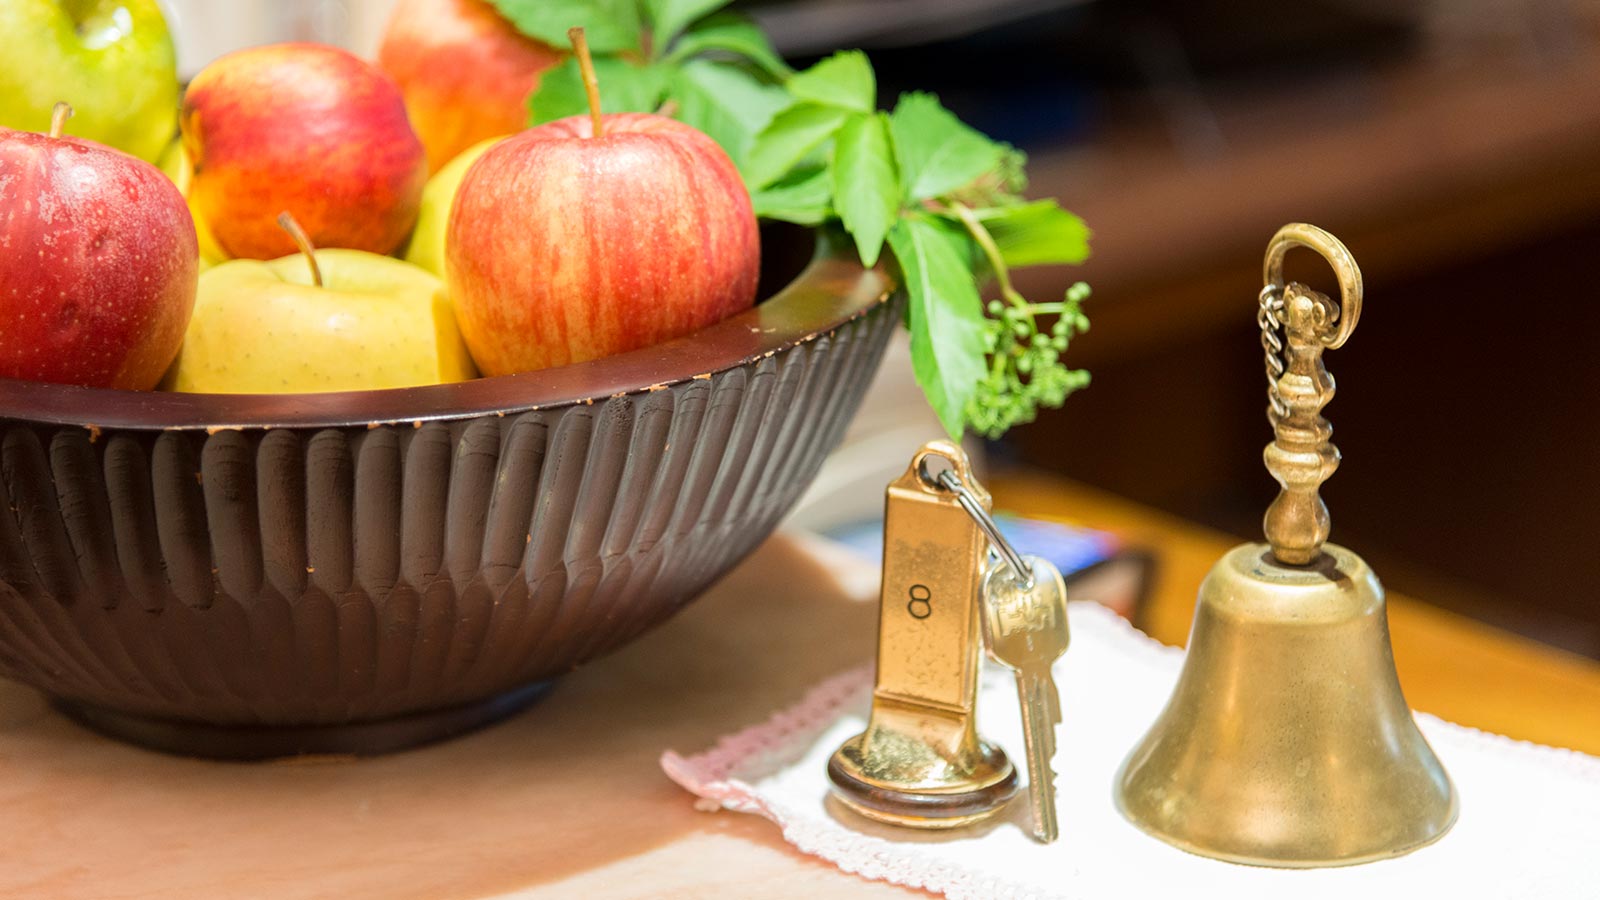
(1529, 825)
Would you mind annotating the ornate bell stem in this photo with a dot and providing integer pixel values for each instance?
(1302, 457)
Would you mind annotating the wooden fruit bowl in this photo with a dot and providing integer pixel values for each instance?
(251, 576)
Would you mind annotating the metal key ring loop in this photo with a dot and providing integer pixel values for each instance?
(1021, 572)
(1339, 259)
(953, 479)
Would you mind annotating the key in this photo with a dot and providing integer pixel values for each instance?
(1026, 629)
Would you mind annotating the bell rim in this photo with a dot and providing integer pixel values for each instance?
(1278, 862)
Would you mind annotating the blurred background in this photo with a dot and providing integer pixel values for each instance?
(1453, 144)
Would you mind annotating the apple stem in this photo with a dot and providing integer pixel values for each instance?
(59, 117)
(303, 241)
(591, 84)
(668, 109)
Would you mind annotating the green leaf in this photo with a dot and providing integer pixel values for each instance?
(731, 33)
(726, 102)
(866, 190)
(1036, 234)
(844, 79)
(804, 198)
(668, 18)
(609, 25)
(624, 87)
(936, 151)
(787, 139)
(947, 321)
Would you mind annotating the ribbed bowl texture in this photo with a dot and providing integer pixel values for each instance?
(245, 576)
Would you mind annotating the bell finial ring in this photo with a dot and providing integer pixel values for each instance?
(1299, 234)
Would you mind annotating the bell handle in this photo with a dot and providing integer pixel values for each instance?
(1299, 234)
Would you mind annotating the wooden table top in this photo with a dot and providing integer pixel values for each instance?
(567, 799)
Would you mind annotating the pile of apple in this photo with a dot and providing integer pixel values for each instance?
(262, 256)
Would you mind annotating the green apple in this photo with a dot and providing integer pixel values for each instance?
(427, 241)
(268, 327)
(113, 60)
(174, 163)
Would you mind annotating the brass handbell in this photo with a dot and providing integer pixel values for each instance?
(1287, 741)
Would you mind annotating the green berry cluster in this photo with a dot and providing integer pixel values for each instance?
(1025, 369)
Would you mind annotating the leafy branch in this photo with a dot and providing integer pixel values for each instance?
(714, 70)
(815, 149)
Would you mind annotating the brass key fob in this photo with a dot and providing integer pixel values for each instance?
(920, 762)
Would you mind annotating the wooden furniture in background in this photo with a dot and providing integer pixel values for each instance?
(1470, 195)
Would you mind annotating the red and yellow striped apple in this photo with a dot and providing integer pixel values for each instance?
(305, 127)
(465, 71)
(98, 263)
(596, 235)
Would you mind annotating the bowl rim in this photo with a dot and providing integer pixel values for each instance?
(833, 289)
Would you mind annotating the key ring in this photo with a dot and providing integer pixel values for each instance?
(1023, 573)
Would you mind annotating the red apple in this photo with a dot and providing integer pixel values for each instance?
(98, 263)
(595, 235)
(465, 71)
(302, 127)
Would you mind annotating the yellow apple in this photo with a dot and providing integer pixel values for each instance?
(427, 241)
(174, 163)
(267, 327)
(113, 60)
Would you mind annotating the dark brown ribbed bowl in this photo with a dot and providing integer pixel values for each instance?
(253, 576)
